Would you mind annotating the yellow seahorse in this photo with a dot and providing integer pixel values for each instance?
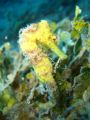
(30, 40)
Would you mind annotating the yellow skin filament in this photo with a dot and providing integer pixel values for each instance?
(29, 40)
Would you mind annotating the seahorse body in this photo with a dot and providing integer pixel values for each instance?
(29, 40)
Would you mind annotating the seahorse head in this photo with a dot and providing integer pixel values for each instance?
(45, 34)
(33, 33)
(41, 33)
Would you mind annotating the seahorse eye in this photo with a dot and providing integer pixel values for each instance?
(54, 38)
